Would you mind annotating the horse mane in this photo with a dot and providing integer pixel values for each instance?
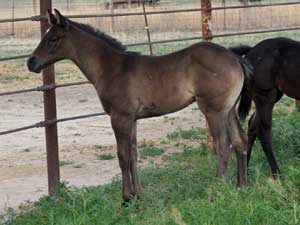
(116, 44)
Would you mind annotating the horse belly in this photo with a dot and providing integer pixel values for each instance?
(165, 104)
(291, 89)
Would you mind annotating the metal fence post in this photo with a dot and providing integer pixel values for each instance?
(50, 114)
(206, 17)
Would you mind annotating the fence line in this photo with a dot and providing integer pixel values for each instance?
(50, 122)
(183, 39)
(14, 57)
(44, 88)
(39, 18)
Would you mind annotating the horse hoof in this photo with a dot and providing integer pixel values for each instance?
(276, 176)
(125, 203)
(133, 199)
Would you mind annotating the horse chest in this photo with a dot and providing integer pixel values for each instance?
(106, 104)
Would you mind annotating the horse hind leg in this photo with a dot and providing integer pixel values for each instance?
(239, 143)
(217, 122)
(265, 134)
(252, 134)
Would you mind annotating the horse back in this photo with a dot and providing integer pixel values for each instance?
(277, 65)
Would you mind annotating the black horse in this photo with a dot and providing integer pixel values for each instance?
(276, 64)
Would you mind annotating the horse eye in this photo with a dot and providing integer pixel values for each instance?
(53, 39)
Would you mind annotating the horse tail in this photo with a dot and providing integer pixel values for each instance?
(241, 50)
(245, 97)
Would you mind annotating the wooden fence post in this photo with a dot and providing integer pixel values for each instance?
(206, 16)
(13, 17)
(35, 7)
(147, 28)
(112, 17)
(50, 114)
(68, 5)
(224, 15)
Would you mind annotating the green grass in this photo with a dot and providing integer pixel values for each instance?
(150, 151)
(79, 165)
(65, 163)
(196, 133)
(104, 156)
(185, 190)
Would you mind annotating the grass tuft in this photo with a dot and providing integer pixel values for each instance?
(150, 151)
(104, 156)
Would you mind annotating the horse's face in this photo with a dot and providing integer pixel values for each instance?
(53, 46)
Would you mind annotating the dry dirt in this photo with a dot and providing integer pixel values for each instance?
(22, 155)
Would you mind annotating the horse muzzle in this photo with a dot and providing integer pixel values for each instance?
(35, 65)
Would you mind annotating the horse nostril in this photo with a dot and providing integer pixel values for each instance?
(31, 60)
(31, 63)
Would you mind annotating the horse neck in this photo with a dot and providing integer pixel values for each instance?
(94, 57)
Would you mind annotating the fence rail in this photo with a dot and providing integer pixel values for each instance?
(50, 122)
(145, 13)
(182, 39)
(44, 88)
(38, 18)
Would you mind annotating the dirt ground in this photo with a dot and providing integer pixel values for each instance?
(23, 174)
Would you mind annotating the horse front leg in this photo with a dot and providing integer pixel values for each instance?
(136, 183)
(123, 126)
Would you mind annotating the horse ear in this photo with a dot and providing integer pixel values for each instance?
(51, 18)
(61, 20)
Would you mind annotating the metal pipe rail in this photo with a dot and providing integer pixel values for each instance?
(15, 57)
(44, 88)
(50, 122)
(186, 39)
(38, 18)
(215, 36)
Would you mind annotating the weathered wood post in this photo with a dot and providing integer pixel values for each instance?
(50, 113)
(147, 28)
(35, 7)
(112, 17)
(13, 17)
(206, 16)
(224, 15)
(68, 5)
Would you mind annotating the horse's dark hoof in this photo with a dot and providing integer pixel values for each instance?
(125, 203)
(276, 176)
(133, 199)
